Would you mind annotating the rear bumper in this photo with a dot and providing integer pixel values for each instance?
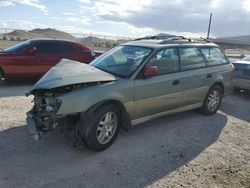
(242, 83)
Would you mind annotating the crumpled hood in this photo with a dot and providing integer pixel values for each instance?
(68, 72)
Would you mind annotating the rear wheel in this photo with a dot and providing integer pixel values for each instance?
(102, 128)
(212, 100)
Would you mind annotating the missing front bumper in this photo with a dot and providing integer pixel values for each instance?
(31, 126)
(39, 125)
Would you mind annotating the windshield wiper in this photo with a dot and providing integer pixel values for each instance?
(110, 72)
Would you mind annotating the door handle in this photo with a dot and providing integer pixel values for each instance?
(176, 82)
(209, 75)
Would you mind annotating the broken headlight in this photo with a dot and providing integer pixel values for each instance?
(47, 104)
(52, 105)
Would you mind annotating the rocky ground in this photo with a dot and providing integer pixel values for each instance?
(181, 150)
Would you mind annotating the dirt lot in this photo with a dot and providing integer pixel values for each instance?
(182, 150)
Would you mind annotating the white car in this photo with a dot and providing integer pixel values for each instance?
(242, 68)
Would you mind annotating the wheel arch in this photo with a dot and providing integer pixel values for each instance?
(125, 117)
(220, 84)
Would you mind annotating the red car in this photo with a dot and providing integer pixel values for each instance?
(33, 58)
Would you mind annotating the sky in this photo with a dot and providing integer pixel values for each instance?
(129, 18)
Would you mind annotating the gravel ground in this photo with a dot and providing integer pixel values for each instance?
(181, 150)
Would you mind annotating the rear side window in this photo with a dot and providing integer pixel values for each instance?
(54, 48)
(191, 59)
(167, 61)
(45, 48)
(49, 48)
(214, 56)
(67, 48)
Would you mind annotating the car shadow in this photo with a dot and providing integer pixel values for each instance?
(232, 103)
(138, 158)
(11, 89)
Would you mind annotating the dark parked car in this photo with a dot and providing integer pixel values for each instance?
(242, 69)
(33, 58)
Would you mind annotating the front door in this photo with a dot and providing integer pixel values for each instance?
(163, 91)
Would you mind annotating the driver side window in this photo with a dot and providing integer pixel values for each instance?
(167, 61)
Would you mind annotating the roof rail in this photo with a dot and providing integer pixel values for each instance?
(168, 38)
(158, 37)
(207, 40)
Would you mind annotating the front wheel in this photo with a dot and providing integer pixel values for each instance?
(102, 128)
(212, 100)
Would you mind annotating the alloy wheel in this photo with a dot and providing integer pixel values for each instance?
(213, 100)
(106, 127)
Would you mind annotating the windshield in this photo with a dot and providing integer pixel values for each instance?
(121, 61)
(17, 47)
(246, 58)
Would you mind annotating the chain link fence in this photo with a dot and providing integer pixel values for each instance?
(10, 37)
(100, 42)
(97, 42)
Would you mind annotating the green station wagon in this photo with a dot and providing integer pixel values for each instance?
(129, 84)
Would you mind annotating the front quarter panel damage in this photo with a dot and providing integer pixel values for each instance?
(63, 106)
(82, 100)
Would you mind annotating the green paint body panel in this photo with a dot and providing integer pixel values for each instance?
(141, 97)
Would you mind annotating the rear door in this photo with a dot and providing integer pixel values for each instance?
(194, 75)
(163, 91)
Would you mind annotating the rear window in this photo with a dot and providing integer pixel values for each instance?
(214, 56)
(191, 58)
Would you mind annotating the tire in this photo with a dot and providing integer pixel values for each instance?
(100, 131)
(212, 101)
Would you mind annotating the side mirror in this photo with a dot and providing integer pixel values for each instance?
(150, 71)
(31, 51)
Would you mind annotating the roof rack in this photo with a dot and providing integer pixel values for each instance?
(169, 38)
(158, 37)
(207, 40)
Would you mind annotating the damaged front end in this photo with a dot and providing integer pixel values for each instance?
(67, 76)
(42, 117)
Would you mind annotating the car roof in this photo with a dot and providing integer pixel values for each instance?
(169, 41)
(51, 39)
(74, 43)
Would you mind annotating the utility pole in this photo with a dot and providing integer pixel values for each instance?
(209, 25)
